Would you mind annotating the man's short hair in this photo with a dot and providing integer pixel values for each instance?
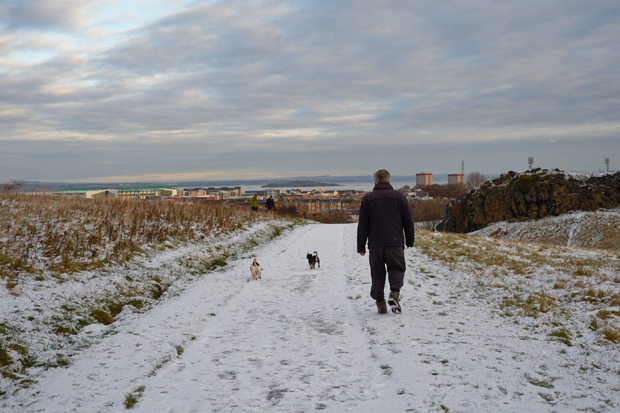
(382, 177)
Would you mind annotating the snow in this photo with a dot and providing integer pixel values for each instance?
(302, 340)
(594, 229)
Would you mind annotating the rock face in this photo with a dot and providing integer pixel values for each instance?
(533, 194)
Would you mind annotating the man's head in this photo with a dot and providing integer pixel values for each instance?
(382, 177)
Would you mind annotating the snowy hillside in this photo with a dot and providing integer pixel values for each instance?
(598, 229)
(483, 328)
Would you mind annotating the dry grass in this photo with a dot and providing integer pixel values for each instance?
(611, 334)
(49, 241)
(512, 256)
(66, 235)
(538, 281)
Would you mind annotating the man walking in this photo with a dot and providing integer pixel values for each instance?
(384, 215)
(254, 203)
(270, 204)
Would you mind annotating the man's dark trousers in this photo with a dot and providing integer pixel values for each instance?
(394, 259)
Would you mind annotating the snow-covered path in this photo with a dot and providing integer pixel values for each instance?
(305, 340)
(289, 342)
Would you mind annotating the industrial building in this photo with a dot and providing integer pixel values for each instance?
(146, 191)
(122, 192)
(94, 193)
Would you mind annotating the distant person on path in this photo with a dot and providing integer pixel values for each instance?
(384, 214)
(254, 203)
(270, 204)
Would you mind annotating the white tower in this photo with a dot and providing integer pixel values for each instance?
(607, 163)
(530, 161)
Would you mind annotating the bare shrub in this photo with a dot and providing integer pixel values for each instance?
(10, 185)
(287, 211)
(445, 191)
(335, 218)
(428, 213)
(474, 180)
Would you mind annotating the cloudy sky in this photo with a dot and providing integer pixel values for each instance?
(122, 90)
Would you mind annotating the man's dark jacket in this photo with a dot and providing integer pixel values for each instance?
(384, 214)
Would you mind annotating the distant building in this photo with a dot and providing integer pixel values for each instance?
(259, 194)
(144, 191)
(455, 179)
(331, 204)
(86, 193)
(423, 180)
(353, 215)
(416, 195)
(309, 205)
(272, 192)
(351, 203)
(232, 190)
(225, 194)
(235, 189)
(192, 192)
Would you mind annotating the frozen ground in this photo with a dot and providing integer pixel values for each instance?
(303, 340)
(593, 229)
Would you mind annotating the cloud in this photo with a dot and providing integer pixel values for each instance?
(44, 14)
(349, 77)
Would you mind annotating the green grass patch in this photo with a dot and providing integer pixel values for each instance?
(215, 264)
(136, 302)
(524, 182)
(532, 305)
(540, 383)
(562, 336)
(64, 330)
(132, 398)
(5, 359)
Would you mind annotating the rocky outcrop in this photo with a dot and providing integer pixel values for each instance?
(537, 193)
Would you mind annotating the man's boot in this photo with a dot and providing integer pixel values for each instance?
(393, 302)
(382, 307)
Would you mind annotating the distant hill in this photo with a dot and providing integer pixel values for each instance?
(298, 184)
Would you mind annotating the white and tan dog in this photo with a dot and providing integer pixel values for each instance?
(255, 270)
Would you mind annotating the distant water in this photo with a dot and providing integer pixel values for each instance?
(358, 186)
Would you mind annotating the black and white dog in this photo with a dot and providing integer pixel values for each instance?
(313, 260)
